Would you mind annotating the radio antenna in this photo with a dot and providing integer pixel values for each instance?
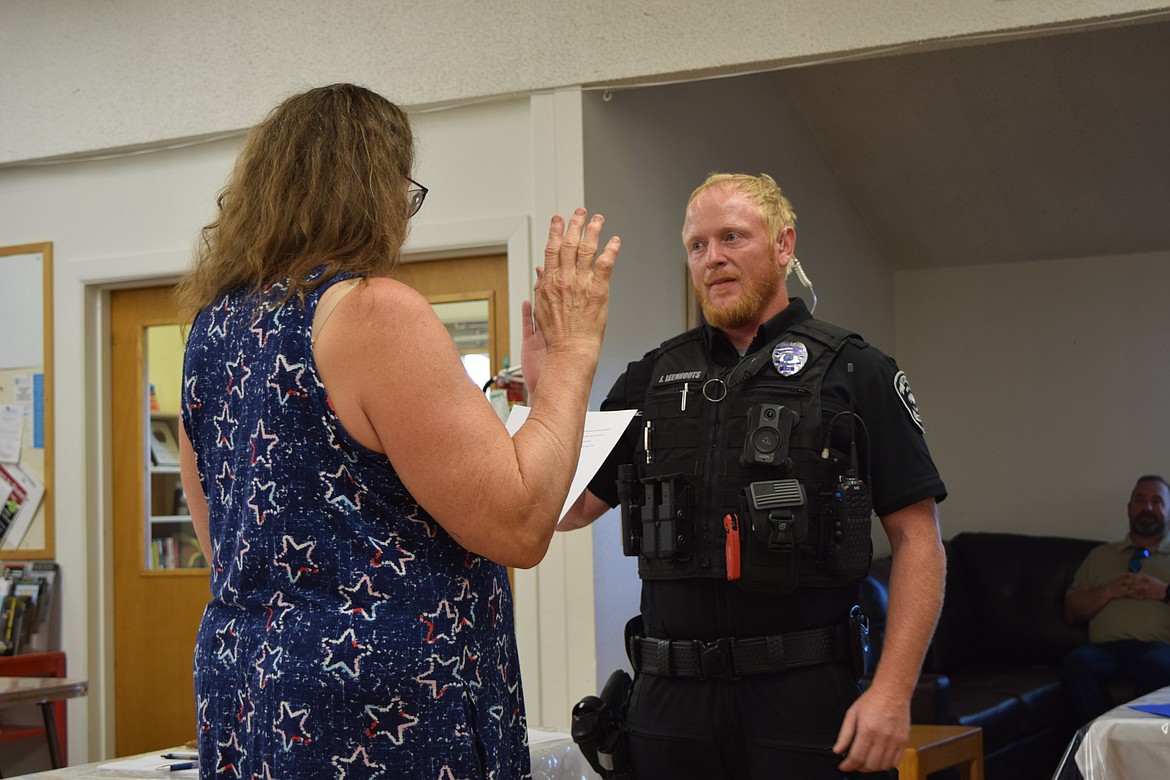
(854, 464)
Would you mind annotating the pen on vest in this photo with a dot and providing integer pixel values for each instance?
(177, 767)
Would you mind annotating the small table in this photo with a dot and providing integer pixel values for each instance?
(15, 691)
(933, 748)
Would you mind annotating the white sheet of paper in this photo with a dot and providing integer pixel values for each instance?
(602, 430)
(540, 736)
(11, 432)
(23, 393)
(149, 763)
(23, 343)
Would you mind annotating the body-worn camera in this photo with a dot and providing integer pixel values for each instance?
(769, 432)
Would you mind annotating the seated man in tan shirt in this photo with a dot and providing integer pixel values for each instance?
(1121, 590)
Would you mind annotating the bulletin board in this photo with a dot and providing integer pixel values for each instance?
(26, 402)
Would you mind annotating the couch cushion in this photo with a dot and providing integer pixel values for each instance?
(1010, 705)
(1000, 717)
(1034, 757)
(1004, 606)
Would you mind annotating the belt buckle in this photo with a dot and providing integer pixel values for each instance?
(716, 659)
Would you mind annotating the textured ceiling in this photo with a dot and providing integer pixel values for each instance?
(1049, 147)
(78, 76)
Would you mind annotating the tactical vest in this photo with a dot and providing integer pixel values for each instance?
(732, 469)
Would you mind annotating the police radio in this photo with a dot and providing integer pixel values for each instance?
(847, 547)
(844, 544)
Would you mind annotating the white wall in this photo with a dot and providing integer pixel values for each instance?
(645, 151)
(82, 75)
(100, 216)
(1043, 387)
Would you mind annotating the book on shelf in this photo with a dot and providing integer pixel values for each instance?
(164, 557)
(164, 447)
(26, 605)
(179, 551)
(12, 616)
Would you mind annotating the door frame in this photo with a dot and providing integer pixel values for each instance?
(85, 512)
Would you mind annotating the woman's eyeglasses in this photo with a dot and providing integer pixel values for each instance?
(414, 198)
(1135, 560)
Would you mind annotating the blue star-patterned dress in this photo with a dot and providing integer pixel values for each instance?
(348, 635)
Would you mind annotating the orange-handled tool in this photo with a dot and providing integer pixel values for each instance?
(731, 546)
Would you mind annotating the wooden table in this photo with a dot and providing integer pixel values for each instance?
(933, 748)
(43, 691)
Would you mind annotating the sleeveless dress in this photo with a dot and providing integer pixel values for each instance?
(348, 635)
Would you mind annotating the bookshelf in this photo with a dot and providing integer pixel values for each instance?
(170, 541)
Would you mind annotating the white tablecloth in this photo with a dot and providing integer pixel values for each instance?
(1122, 744)
(554, 757)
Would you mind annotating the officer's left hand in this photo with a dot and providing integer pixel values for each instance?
(874, 733)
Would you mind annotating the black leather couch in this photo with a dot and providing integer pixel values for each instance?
(995, 658)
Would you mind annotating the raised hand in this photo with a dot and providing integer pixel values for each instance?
(572, 288)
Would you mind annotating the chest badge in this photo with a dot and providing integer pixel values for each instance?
(789, 357)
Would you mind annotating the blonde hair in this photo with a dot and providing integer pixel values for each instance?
(775, 208)
(321, 181)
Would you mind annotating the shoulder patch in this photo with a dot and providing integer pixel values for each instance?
(902, 388)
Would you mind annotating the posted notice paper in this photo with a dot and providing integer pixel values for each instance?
(602, 430)
(24, 496)
(11, 433)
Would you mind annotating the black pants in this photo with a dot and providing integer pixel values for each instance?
(760, 727)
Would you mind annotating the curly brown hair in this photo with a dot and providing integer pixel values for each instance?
(320, 182)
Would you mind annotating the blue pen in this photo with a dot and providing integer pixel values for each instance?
(177, 767)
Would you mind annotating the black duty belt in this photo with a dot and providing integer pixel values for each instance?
(729, 659)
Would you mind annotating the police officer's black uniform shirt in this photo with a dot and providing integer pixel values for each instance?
(896, 464)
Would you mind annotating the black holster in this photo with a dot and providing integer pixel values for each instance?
(599, 728)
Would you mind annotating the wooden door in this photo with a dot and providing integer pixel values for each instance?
(466, 279)
(156, 610)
